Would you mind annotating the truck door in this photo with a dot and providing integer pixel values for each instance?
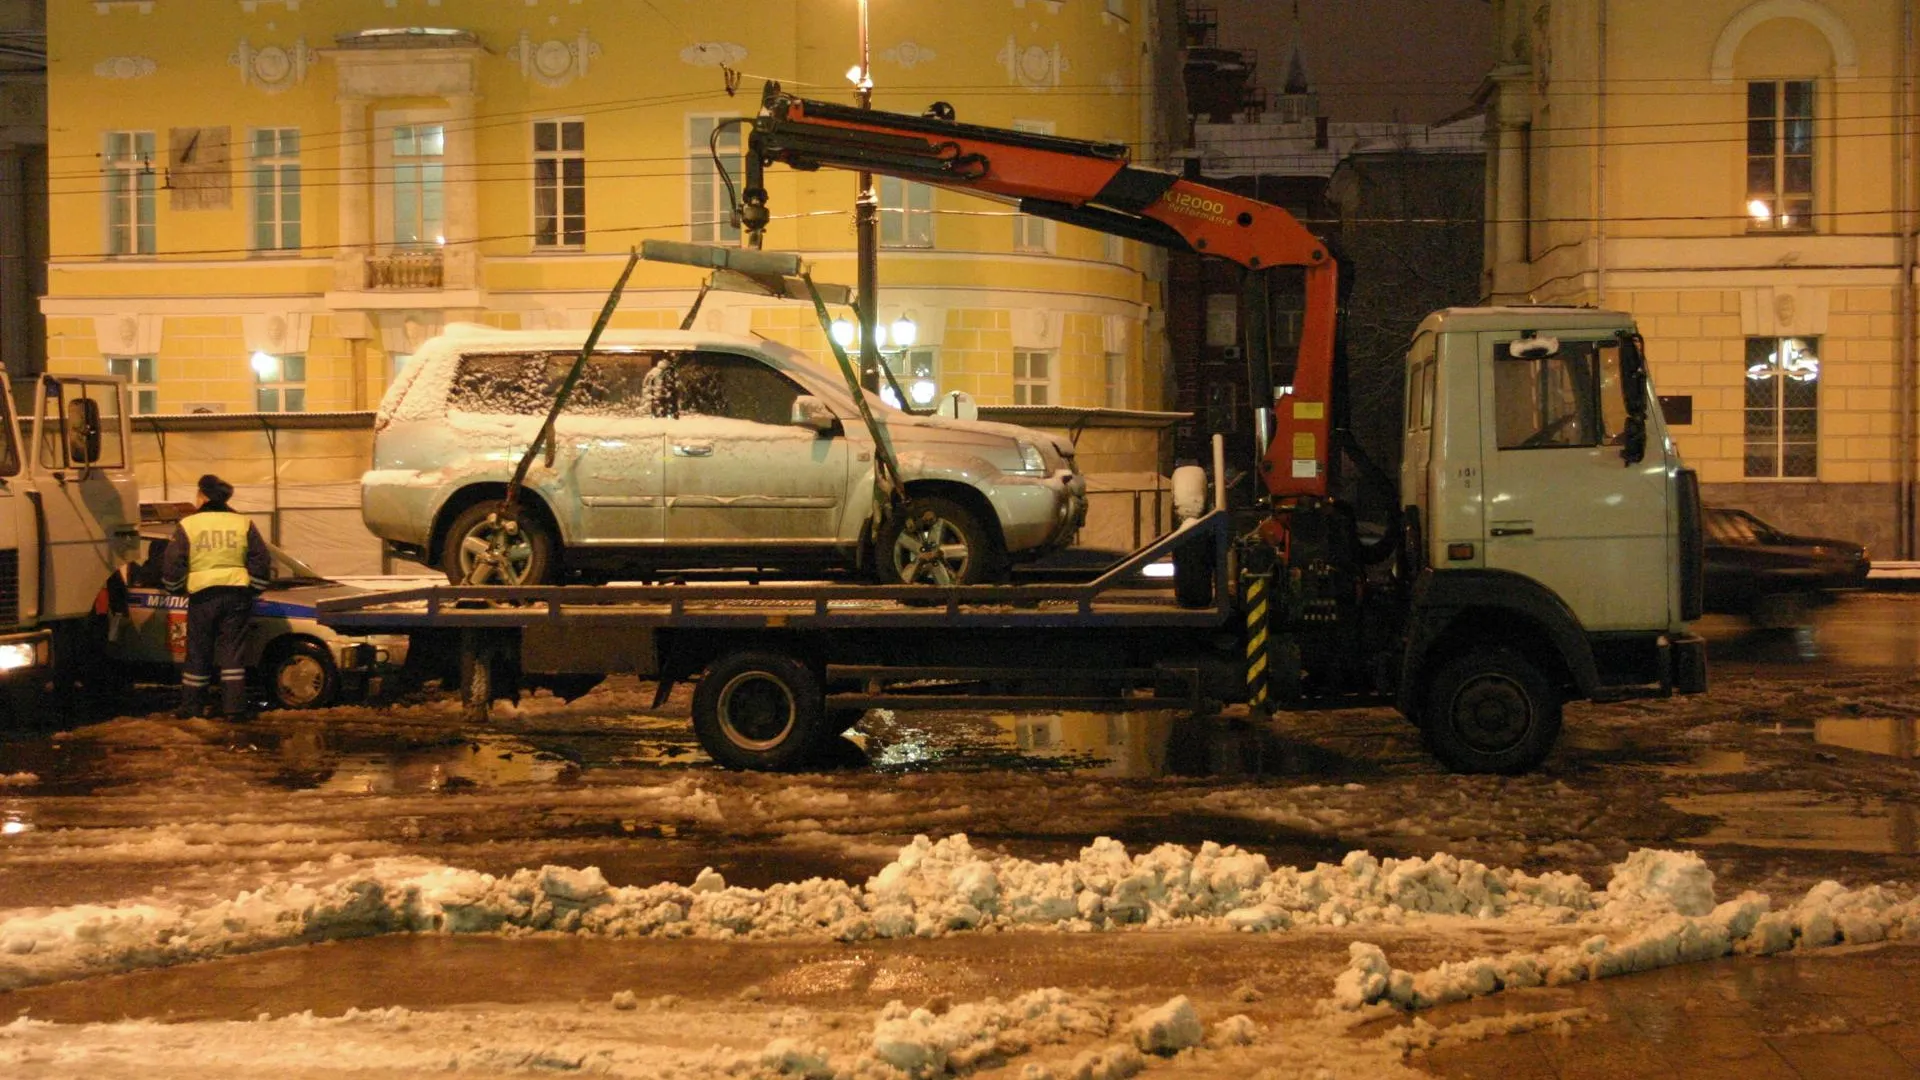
(19, 527)
(89, 501)
(1561, 505)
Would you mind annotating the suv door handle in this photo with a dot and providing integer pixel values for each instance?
(692, 449)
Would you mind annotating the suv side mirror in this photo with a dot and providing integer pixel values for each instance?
(83, 431)
(811, 412)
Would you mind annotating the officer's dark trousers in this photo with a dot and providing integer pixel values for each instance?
(216, 633)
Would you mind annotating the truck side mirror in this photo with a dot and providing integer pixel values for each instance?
(1633, 384)
(83, 431)
(810, 412)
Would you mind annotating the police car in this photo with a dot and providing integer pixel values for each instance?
(291, 659)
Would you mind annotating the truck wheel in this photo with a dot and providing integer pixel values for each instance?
(301, 675)
(484, 546)
(1491, 711)
(758, 710)
(933, 541)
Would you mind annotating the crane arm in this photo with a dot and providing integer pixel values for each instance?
(1092, 185)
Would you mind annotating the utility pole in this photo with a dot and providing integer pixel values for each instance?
(866, 210)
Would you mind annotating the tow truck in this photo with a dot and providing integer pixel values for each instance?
(1544, 546)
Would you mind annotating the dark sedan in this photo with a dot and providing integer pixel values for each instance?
(1757, 570)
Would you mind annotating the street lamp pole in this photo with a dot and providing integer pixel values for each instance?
(867, 232)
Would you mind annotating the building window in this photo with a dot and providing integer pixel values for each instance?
(559, 183)
(1780, 155)
(129, 160)
(1117, 8)
(280, 383)
(710, 205)
(142, 385)
(1116, 369)
(914, 370)
(276, 189)
(1032, 233)
(419, 176)
(1032, 377)
(906, 213)
(1783, 407)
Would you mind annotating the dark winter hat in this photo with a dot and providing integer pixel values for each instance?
(215, 489)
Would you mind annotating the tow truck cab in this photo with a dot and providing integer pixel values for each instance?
(69, 505)
(1545, 505)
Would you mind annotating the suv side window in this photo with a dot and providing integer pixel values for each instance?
(722, 384)
(525, 383)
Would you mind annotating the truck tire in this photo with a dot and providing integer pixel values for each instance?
(300, 675)
(760, 711)
(933, 541)
(515, 550)
(1491, 711)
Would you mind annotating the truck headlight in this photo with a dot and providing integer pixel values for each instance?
(1031, 461)
(17, 655)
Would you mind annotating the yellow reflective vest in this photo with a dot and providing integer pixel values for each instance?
(216, 549)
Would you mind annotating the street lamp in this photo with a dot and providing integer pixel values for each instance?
(866, 218)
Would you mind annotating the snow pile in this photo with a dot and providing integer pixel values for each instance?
(1675, 890)
(935, 888)
(1168, 1029)
(980, 1034)
(18, 779)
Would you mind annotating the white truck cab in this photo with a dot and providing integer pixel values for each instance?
(69, 517)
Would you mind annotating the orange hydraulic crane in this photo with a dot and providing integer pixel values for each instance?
(1094, 186)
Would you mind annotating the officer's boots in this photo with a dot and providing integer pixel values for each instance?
(233, 696)
(192, 700)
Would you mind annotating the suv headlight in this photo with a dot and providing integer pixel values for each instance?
(1032, 463)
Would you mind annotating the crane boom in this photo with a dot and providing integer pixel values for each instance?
(1095, 186)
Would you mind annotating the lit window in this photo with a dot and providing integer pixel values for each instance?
(419, 175)
(915, 371)
(1032, 377)
(1780, 155)
(906, 213)
(142, 383)
(129, 161)
(559, 183)
(1783, 407)
(280, 382)
(276, 189)
(710, 206)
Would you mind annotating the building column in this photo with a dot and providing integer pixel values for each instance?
(461, 258)
(1507, 258)
(356, 197)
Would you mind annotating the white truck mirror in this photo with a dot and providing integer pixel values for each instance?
(1534, 347)
(811, 412)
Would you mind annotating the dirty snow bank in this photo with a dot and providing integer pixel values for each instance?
(1665, 904)
(935, 888)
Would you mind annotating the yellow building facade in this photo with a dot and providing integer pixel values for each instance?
(1738, 174)
(266, 205)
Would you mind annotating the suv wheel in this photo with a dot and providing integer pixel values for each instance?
(487, 546)
(933, 541)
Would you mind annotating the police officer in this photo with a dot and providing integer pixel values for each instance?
(217, 560)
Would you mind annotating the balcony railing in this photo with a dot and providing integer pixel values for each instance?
(406, 270)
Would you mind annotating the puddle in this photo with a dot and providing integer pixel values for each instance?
(1895, 736)
(1710, 762)
(1120, 745)
(1804, 820)
(309, 761)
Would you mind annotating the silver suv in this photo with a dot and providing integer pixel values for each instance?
(682, 449)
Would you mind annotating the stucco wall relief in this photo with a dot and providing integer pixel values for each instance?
(1034, 66)
(126, 67)
(713, 54)
(273, 68)
(553, 61)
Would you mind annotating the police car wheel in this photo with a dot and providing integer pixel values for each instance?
(301, 675)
